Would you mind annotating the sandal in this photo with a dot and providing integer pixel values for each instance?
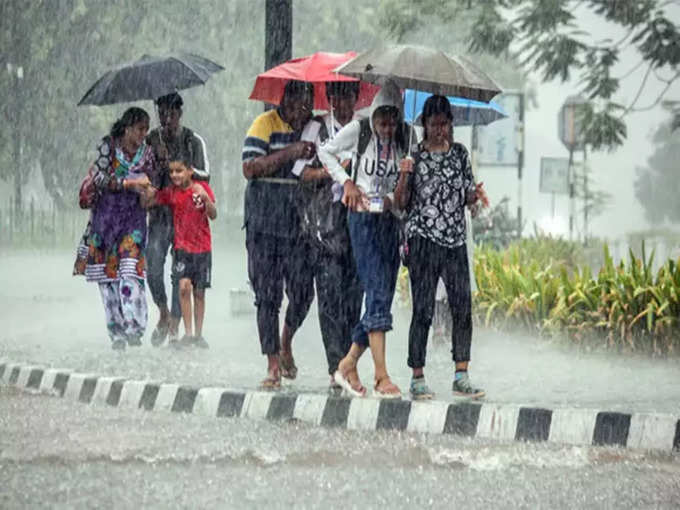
(388, 390)
(270, 383)
(288, 368)
(353, 390)
(353, 378)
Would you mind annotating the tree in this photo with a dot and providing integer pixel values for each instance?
(61, 60)
(657, 186)
(545, 37)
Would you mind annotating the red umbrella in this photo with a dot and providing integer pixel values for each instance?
(317, 69)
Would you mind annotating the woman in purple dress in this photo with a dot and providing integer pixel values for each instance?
(117, 239)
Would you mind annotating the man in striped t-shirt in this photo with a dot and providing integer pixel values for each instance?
(276, 251)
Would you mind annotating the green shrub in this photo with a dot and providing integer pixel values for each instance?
(541, 284)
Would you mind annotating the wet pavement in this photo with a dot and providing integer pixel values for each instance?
(59, 454)
(63, 454)
(53, 319)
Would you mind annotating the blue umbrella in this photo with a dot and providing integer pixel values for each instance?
(466, 112)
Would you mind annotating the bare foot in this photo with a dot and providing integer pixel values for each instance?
(288, 368)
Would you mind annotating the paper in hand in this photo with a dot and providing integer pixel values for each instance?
(309, 134)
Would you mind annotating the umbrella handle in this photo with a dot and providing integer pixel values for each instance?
(410, 134)
(160, 128)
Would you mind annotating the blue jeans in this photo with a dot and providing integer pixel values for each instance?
(375, 245)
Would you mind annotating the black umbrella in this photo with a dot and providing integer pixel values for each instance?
(150, 78)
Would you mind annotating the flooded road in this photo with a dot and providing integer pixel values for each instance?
(61, 454)
(53, 319)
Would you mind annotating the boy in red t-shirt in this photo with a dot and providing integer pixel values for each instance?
(192, 203)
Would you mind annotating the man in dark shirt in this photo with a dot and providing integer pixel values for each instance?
(276, 251)
(170, 141)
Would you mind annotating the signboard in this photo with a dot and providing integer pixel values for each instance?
(498, 144)
(554, 176)
(570, 124)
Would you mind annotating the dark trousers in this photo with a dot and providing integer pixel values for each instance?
(428, 262)
(339, 296)
(159, 243)
(273, 262)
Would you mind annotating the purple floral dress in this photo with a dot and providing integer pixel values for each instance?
(117, 235)
(116, 242)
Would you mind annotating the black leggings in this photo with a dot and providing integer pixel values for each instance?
(428, 262)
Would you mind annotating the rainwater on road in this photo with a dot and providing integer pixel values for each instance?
(53, 319)
(60, 454)
(63, 454)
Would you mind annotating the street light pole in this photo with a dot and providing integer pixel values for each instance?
(16, 75)
(571, 193)
(585, 197)
(520, 164)
(570, 132)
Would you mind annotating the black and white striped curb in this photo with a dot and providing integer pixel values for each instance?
(468, 418)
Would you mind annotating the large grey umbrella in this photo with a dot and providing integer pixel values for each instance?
(425, 69)
(150, 77)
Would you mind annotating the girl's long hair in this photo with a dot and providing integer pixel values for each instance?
(131, 117)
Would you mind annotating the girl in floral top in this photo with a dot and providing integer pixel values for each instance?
(115, 258)
(434, 190)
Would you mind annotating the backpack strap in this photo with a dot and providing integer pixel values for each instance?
(364, 137)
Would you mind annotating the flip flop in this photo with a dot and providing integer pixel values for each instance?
(385, 393)
(347, 386)
(288, 368)
(270, 383)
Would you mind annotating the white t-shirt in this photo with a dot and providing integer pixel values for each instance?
(311, 133)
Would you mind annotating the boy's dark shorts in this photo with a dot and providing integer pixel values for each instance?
(195, 266)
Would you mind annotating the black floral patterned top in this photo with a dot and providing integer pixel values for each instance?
(440, 182)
